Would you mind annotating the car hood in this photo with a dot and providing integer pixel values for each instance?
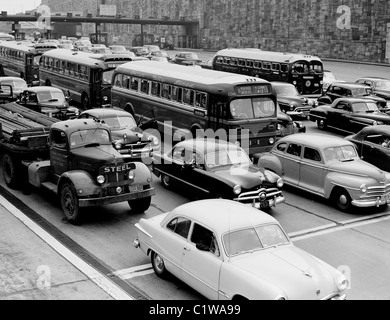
(54, 104)
(383, 93)
(295, 99)
(358, 167)
(248, 177)
(132, 136)
(372, 97)
(297, 273)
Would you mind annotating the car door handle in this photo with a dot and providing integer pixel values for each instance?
(187, 249)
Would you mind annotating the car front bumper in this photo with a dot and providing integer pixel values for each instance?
(256, 199)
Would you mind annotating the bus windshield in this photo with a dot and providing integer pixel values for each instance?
(301, 67)
(253, 108)
(316, 67)
(107, 76)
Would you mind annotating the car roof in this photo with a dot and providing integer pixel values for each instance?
(106, 112)
(281, 83)
(354, 100)
(315, 140)
(70, 126)
(223, 215)
(12, 78)
(372, 78)
(349, 84)
(43, 89)
(206, 145)
(380, 129)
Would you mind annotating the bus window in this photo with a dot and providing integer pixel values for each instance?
(233, 62)
(166, 91)
(188, 97)
(300, 67)
(257, 65)
(155, 89)
(118, 81)
(241, 62)
(316, 67)
(275, 67)
(145, 86)
(219, 60)
(266, 65)
(226, 60)
(249, 63)
(126, 80)
(263, 107)
(242, 109)
(284, 68)
(134, 84)
(200, 100)
(254, 108)
(177, 94)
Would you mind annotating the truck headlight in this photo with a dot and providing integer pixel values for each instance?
(280, 183)
(101, 179)
(342, 283)
(131, 175)
(237, 189)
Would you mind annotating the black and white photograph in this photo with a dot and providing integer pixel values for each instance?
(194, 156)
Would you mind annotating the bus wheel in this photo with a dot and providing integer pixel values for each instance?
(140, 205)
(321, 124)
(70, 203)
(10, 171)
(85, 102)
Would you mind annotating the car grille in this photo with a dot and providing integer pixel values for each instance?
(376, 191)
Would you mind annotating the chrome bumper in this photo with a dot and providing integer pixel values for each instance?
(263, 198)
(370, 203)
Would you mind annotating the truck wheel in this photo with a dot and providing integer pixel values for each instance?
(140, 205)
(10, 171)
(70, 203)
(158, 265)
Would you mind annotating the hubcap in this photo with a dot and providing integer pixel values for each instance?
(159, 262)
(343, 200)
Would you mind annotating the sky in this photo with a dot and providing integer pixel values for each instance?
(17, 6)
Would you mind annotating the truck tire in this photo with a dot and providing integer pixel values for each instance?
(140, 205)
(10, 172)
(70, 203)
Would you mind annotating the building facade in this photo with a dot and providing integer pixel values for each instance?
(340, 29)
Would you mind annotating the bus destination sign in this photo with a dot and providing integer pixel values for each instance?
(254, 89)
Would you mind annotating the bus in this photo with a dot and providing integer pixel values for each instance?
(304, 71)
(42, 47)
(20, 60)
(187, 102)
(85, 77)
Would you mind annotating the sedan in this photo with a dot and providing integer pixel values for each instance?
(349, 115)
(128, 136)
(218, 169)
(227, 251)
(329, 167)
(287, 126)
(48, 100)
(181, 57)
(380, 87)
(18, 85)
(373, 145)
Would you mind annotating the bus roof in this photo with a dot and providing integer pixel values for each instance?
(111, 57)
(176, 72)
(257, 54)
(18, 46)
(74, 56)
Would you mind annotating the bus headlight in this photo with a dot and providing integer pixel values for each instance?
(131, 175)
(105, 98)
(280, 183)
(271, 141)
(237, 189)
(294, 83)
(363, 188)
(101, 179)
(35, 76)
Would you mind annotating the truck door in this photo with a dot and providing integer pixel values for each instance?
(59, 151)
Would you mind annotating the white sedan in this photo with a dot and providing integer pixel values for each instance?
(226, 250)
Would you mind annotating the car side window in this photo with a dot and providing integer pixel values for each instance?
(312, 154)
(205, 237)
(281, 147)
(180, 226)
(294, 149)
(179, 154)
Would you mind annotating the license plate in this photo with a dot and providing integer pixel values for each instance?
(135, 189)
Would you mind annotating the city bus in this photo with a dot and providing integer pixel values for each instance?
(304, 71)
(85, 77)
(189, 102)
(20, 60)
(42, 47)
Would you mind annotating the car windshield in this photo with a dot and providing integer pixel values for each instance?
(116, 122)
(16, 84)
(191, 56)
(287, 90)
(340, 153)
(253, 108)
(119, 49)
(383, 85)
(365, 106)
(51, 96)
(227, 157)
(254, 239)
(361, 92)
(91, 136)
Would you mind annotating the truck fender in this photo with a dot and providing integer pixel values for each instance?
(271, 162)
(84, 183)
(143, 176)
(38, 172)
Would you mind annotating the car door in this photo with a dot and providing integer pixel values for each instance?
(312, 171)
(171, 164)
(339, 116)
(201, 264)
(292, 163)
(372, 151)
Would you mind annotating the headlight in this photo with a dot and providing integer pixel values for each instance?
(35, 76)
(279, 126)
(237, 189)
(363, 188)
(131, 175)
(388, 103)
(280, 183)
(118, 145)
(342, 283)
(292, 107)
(238, 144)
(153, 140)
(101, 179)
(271, 141)
(294, 83)
(105, 98)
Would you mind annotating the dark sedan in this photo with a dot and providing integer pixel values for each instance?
(351, 90)
(181, 57)
(349, 115)
(380, 87)
(48, 100)
(129, 138)
(373, 145)
(218, 169)
(287, 126)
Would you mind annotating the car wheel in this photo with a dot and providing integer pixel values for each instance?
(342, 200)
(322, 125)
(158, 265)
(140, 205)
(166, 181)
(70, 203)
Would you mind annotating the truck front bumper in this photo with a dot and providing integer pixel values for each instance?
(88, 202)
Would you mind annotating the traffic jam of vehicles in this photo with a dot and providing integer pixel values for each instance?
(224, 243)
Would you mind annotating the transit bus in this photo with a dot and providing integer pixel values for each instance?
(187, 102)
(304, 71)
(85, 77)
(20, 60)
(42, 47)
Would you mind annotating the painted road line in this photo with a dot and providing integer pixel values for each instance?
(98, 278)
(134, 272)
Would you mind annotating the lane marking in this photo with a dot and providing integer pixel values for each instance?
(98, 278)
(134, 272)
